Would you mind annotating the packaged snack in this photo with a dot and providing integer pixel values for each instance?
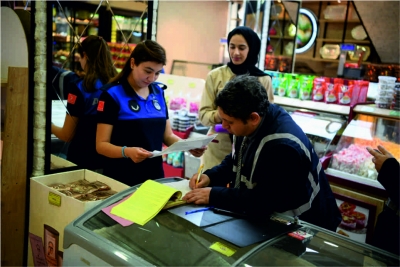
(87, 197)
(305, 87)
(170, 158)
(318, 89)
(59, 186)
(283, 83)
(276, 79)
(177, 160)
(82, 187)
(362, 96)
(104, 194)
(69, 193)
(345, 93)
(330, 92)
(293, 88)
(100, 185)
(193, 107)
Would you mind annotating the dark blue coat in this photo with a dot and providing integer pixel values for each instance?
(280, 173)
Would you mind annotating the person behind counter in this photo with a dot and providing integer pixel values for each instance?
(133, 118)
(80, 123)
(387, 233)
(273, 166)
(244, 48)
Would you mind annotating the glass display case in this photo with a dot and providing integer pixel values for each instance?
(174, 239)
(322, 129)
(351, 160)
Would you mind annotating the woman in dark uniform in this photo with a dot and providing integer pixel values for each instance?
(80, 121)
(133, 118)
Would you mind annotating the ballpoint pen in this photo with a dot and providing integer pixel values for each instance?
(198, 210)
(199, 172)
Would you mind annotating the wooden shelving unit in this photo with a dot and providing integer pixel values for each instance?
(331, 31)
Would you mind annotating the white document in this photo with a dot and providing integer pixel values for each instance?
(185, 145)
(182, 186)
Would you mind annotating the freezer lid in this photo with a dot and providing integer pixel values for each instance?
(166, 240)
(321, 248)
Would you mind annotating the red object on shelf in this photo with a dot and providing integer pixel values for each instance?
(185, 134)
(171, 171)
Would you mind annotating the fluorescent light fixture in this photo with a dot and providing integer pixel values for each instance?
(313, 20)
(331, 244)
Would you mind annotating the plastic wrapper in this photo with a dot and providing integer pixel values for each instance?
(87, 197)
(70, 193)
(100, 185)
(293, 88)
(82, 187)
(59, 186)
(104, 194)
(305, 88)
(318, 89)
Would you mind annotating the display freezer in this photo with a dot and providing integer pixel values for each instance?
(171, 239)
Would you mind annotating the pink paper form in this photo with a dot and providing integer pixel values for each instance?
(116, 218)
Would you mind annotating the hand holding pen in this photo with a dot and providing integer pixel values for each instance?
(199, 179)
(199, 173)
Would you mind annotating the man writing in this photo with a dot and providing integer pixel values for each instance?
(273, 166)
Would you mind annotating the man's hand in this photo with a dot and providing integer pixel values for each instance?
(199, 196)
(203, 182)
(379, 157)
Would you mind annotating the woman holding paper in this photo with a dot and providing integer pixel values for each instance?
(133, 118)
(244, 48)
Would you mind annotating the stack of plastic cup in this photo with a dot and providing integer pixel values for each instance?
(396, 104)
(385, 94)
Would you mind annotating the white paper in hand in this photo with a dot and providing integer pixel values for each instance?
(185, 145)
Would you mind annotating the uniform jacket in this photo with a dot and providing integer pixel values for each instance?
(280, 173)
(137, 122)
(83, 105)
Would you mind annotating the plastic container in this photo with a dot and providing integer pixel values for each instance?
(387, 79)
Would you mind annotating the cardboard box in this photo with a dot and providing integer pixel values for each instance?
(51, 211)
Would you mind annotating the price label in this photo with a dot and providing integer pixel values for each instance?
(223, 249)
(54, 199)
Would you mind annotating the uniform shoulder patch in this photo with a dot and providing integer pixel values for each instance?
(100, 106)
(71, 98)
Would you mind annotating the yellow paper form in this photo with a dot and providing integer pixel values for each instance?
(145, 203)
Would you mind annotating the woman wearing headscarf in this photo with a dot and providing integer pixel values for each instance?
(244, 48)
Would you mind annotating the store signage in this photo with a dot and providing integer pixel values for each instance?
(307, 29)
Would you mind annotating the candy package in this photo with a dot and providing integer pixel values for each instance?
(318, 90)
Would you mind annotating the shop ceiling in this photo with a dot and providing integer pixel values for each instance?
(381, 21)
